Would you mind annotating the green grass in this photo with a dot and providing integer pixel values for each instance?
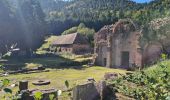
(46, 45)
(58, 77)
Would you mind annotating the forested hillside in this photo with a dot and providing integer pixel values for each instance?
(21, 22)
(96, 13)
(26, 22)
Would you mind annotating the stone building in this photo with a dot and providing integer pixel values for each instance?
(118, 45)
(72, 43)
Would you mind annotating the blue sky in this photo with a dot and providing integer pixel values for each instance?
(142, 1)
(138, 1)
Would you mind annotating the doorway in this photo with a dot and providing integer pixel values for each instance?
(105, 61)
(125, 59)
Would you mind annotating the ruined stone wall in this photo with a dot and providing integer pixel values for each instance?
(138, 50)
(92, 91)
(151, 53)
(86, 91)
(102, 56)
(125, 39)
(118, 38)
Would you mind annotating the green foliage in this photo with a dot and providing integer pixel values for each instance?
(67, 83)
(44, 49)
(157, 30)
(6, 82)
(142, 85)
(26, 22)
(51, 96)
(164, 56)
(38, 95)
(97, 10)
(7, 90)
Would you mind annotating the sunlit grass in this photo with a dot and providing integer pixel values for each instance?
(46, 45)
(58, 77)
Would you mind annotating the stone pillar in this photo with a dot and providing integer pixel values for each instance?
(23, 85)
(109, 52)
(101, 87)
(108, 64)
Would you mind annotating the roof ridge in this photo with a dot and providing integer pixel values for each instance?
(65, 39)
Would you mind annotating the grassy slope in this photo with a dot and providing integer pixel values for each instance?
(46, 45)
(58, 77)
(151, 71)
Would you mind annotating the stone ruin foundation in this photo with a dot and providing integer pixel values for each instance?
(91, 91)
(26, 94)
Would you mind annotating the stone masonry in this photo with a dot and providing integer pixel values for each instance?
(118, 45)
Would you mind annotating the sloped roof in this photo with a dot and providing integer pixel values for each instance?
(65, 39)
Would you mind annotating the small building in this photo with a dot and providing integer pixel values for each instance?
(118, 46)
(72, 43)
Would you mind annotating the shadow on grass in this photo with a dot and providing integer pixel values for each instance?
(53, 62)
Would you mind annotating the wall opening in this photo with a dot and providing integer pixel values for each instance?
(104, 61)
(125, 59)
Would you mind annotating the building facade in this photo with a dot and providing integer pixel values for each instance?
(118, 46)
(72, 43)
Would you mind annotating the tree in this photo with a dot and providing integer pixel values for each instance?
(33, 23)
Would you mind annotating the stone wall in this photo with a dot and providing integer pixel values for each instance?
(81, 48)
(86, 91)
(26, 94)
(93, 91)
(152, 53)
(116, 39)
(129, 44)
(102, 55)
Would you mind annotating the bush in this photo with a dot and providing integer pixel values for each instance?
(142, 85)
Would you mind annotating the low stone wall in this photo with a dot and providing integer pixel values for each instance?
(26, 94)
(91, 91)
(27, 70)
(29, 95)
(86, 91)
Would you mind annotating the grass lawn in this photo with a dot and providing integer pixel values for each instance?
(58, 77)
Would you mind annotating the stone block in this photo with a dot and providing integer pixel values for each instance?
(86, 91)
(110, 75)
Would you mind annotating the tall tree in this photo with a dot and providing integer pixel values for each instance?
(32, 21)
